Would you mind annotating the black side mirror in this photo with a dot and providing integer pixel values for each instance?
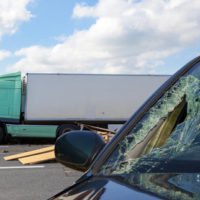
(77, 149)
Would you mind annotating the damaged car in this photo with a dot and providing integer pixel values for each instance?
(155, 155)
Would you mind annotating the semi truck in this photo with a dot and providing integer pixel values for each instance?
(47, 105)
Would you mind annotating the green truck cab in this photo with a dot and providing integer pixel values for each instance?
(11, 111)
(10, 97)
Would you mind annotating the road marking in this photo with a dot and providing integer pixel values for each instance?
(23, 167)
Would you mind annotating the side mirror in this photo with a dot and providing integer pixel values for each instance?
(77, 149)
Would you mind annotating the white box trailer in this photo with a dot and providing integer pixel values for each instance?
(87, 97)
(46, 105)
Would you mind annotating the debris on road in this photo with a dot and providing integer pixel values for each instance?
(34, 156)
(38, 158)
(105, 133)
(47, 153)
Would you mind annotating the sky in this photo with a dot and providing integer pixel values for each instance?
(98, 36)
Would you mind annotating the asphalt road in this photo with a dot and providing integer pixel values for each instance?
(37, 183)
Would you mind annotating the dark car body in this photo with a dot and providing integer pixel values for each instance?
(178, 186)
(167, 167)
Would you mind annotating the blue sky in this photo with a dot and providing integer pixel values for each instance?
(50, 20)
(104, 36)
(177, 61)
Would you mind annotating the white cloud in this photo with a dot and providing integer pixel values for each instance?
(12, 13)
(4, 54)
(128, 36)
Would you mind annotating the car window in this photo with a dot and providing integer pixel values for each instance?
(167, 138)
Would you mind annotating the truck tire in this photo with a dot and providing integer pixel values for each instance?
(66, 128)
(2, 135)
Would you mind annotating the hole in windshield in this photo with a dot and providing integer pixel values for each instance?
(167, 136)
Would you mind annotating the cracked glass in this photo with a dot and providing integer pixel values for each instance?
(165, 140)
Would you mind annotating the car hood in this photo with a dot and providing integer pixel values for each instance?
(103, 188)
(137, 186)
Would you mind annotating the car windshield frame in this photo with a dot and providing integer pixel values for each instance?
(137, 116)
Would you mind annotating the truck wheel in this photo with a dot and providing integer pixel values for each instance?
(2, 135)
(66, 128)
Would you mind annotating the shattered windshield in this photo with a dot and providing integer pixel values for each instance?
(168, 135)
(161, 154)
